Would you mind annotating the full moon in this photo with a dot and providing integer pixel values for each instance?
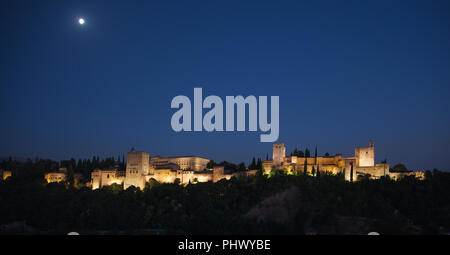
(81, 21)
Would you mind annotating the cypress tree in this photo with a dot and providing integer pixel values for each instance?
(315, 156)
(253, 164)
(301, 154)
(70, 179)
(259, 164)
(305, 167)
(351, 172)
(313, 171)
(307, 153)
(94, 162)
(79, 165)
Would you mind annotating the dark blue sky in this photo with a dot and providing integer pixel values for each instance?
(345, 71)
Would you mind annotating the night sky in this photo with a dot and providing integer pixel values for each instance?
(345, 71)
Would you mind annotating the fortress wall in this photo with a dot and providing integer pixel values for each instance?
(102, 178)
(55, 177)
(185, 176)
(309, 160)
(169, 176)
(164, 175)
(323, 168)
(267, 166)
(6, 174)
(135, 180)
(330, 169)
(327, 160)
(312, 160)
(110, 177)
(375, 171)
(418, 175)
(204, 177)
(197, 164)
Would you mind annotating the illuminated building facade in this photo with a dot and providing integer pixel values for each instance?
(102, 178)
(196, 164)
(58, 176)
(5, 174)
(141, 168)
(138, 166)
(361, 164)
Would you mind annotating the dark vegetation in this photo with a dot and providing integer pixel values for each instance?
(281, 204)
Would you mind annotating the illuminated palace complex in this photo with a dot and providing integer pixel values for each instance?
(140, 168)
(361, 164)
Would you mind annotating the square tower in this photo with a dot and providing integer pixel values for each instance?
(138, 164)
(218, 173)
(279, 152)
(365, 156)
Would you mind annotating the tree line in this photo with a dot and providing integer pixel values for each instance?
(36, 167)
(275, 204)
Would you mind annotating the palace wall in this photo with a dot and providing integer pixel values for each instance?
(196, 164)
(55, 177)
(5, 174)
(141, 168)
(102, 178)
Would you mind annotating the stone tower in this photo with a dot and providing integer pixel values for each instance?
(218, 173)
(279, 152)
(365, 156)
(138, 164)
